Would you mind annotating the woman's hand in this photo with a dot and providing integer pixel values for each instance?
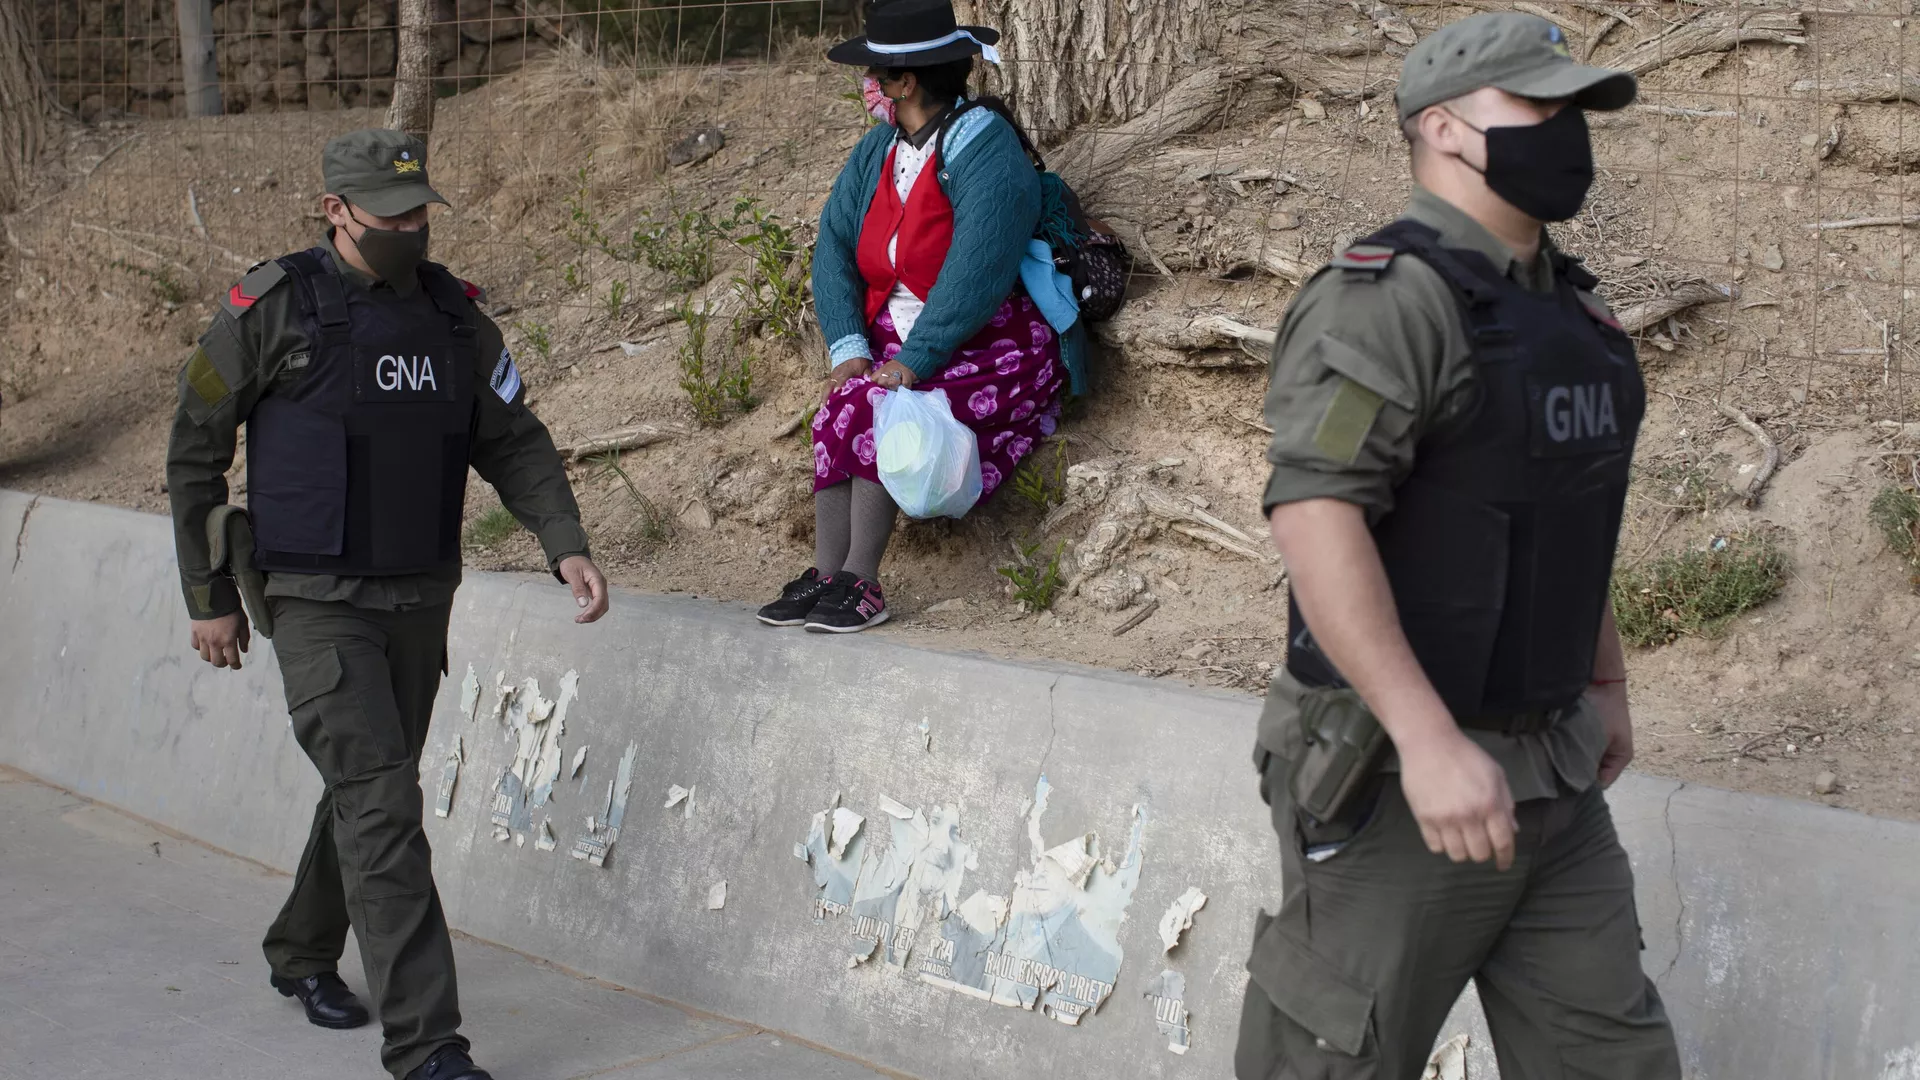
(894, 375)
(848, 370)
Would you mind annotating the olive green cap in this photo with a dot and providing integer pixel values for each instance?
(381, 170)
(1524, 55)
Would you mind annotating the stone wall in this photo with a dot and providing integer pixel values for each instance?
(123, 56)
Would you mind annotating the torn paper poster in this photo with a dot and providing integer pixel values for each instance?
(926, 735)
(1179, 917)
(502, 697)
(597, 846)
(544, 840)
(1449, 1062)
(502, 833)
(846, 825)
(526, 716)
(717, 896)
(983, 912)
(675, 796)
(1053, 945)
(1168, 993)
(579, 759)
(470, 695)
(449, 776)
(546, 765)
(1059, 947)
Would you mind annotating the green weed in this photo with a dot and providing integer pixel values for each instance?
(1896, 513)
(1043, 486)
(778, 265)
(490, 528)
(679, 245)
(1034, 583)
(167, 287)
(1696, 591)
(653, 526)
(572, 276)
(616, 299)
(538, 338)
(714, 385)
(1688, 487)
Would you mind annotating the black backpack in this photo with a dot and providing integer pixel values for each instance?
(1084, 248)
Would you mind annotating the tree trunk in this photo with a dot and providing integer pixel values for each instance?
(1067, 62)
(412, 108)
(197, 68)
(25, 127)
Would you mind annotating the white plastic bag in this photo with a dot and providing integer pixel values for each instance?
(928, 461)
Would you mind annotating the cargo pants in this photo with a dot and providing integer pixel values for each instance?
(1372, 945)
(360, 685)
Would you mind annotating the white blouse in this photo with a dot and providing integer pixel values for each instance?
(908, 163)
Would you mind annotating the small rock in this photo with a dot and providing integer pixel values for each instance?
(1311, 109)
(1200, 651)
(696, 515)
(1283, 221)
(697, 147)
(1771, 259)
(945, 606)
(1826, 784)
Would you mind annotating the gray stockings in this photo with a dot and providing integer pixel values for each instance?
(852, 523)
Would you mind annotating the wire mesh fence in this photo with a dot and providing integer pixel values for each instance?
(1753, 220)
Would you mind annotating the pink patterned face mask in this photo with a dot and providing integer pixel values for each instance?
(877, 101)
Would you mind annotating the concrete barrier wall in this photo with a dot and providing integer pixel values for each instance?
(1785, 936)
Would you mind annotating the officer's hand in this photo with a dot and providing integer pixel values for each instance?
(221, 641)
(1459, 795)
(849, 369)
(589, 587)
(1611, 701)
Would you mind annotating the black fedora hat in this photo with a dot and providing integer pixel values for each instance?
(914, 33)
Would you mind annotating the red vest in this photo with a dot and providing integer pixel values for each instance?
(925, 227)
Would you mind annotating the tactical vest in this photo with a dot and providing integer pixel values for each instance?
(360, 467)
(1499, 548)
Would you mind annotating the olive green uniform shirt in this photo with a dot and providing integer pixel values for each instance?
(261, 350)
(1361, 371)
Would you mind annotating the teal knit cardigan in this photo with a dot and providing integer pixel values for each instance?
(996, 205)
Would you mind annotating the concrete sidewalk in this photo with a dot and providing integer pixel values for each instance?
(127, 952)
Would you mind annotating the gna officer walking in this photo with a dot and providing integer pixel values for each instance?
(368, 381)
(1455, 413)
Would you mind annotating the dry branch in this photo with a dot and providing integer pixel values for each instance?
(1865, 223)
(1637, 317)
(1877, 90)
(619, 439)
(1769, 450)
(1712, 31)
(1088, 159)
(1137, 618)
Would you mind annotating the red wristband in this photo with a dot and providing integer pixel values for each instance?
(1608, 682)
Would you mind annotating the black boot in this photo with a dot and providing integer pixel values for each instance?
(449, 1063)
(328, 1002)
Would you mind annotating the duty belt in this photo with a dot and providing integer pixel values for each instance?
(1520, 723)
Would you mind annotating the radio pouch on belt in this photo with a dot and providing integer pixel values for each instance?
(1345, 745)
(230, 539)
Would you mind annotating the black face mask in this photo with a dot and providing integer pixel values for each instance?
(394, 256)
(1544, 169)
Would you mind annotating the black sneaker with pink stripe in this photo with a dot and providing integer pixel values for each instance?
(848, 605)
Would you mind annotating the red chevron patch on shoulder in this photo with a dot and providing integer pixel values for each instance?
(239, 299)
(474, 292)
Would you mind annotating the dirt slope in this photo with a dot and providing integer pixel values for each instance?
(107, 282)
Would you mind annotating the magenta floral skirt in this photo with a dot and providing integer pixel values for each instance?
(1005, 383)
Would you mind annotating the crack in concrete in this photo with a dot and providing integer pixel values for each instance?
(1679, 894)
(1053, 724)
(20, 538)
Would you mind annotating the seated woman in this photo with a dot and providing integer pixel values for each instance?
(918, 264)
